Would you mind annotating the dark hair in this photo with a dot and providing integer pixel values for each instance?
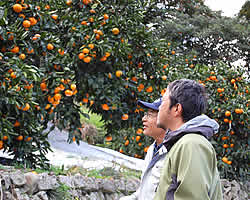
(191, 95)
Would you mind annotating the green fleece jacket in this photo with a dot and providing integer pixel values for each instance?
(190, 171)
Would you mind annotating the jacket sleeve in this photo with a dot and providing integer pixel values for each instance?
(191, 171)
(148, 157)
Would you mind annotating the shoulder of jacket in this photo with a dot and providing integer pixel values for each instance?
(194, 139)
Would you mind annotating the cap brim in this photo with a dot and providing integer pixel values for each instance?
(147, 105)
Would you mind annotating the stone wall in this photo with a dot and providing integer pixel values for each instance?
(18, 185)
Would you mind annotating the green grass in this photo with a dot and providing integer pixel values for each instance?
(94, 119)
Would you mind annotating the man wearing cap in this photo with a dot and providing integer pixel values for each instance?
(190, 167)
(155, 154)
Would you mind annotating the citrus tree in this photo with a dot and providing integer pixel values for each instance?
(57, 56)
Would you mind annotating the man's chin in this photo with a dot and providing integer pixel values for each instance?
(160, 125)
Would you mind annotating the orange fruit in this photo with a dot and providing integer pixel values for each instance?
(232, 145)
(105, 16)
(219, 90)
(105, 107)
(126, 143)
(121, 151)
(118, 73)
(91, 19)
(225, 146)
(97, 37)
(107, 54)
(233, 81)
(26, 23)
(85, 100)
(224, 159)
(173, 52)
(50, 46)
(87, 59)
(30, 51)
(84, 23)
(108, 138)
(229, 162)
(149, 89)
(164, 77)
(15, 49)
(146, 149)
(85, 50)
(33, 21)
(61, 51)
(99, 32)
(91, 46)
(5, 137)
(54, 16)
(13, 75)
(104, 58)
(17, 124)
(238, 110)
(125, 117)
(47, 106)
(227, 113)
(22, 56)
(81, 56)
(69, 2)
(137, 138)
(226, 120)
(139, 144)
(1, 144)
(43, 86)
(17, 8)
(27, 139)
(47, 7)
(115, 31)
(68, 93)
(19, 138)
(73, 86)
(139, 131)
(224, 138)
(232, 132)
(26, 107)
(57, 97)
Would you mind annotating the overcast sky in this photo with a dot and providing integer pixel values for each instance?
(228, 7)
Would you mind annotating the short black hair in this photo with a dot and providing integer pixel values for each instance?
(191, 95)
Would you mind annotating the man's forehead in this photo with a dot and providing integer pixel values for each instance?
(151, 110)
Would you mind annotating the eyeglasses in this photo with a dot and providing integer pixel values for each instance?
(150, 114)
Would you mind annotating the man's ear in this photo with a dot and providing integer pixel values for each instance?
(178, 110)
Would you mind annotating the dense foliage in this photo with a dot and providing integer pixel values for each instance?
(57, 56)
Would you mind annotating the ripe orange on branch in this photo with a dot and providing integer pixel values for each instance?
(17, 8)
(50, 46)
(227, 113)
(105, 107)
(224, 159)
(115, 31)
(108, 138)
(68, 93)
(125, 117)
(118, 73)
(26, 23)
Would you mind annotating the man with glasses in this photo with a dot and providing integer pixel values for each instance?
(155, 154)
(190, 167)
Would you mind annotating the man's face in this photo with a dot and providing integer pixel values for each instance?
(149, 124)
(165, 117)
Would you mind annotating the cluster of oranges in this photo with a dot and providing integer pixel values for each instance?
(54, 101)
